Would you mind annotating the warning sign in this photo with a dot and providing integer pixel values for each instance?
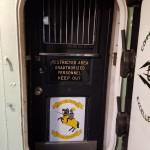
(67, 116)
(68, 70)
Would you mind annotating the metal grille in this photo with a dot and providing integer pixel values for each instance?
(70, 22)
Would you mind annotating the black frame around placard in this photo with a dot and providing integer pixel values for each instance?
(54, 73)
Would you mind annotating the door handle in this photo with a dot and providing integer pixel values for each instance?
(38, 91)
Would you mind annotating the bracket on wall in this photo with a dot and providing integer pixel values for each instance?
(127, 59)
(122, 120)
(127, 63)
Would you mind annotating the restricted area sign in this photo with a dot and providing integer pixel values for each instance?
(67, 118)
(68, 70)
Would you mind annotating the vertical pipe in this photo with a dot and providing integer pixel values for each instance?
(66, 19)
(78, 23)
(119, 143)
(83, 23)
(128, 44)
(55, 20)
(129, 26)
(124, 80)
(49, 22)
(72, 24)
(123, 93)
(43, 24)
(60, 21)
(89, 22)
(95, 12)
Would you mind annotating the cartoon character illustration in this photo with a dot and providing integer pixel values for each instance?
(68, 119)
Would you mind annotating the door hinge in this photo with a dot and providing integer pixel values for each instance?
(133, 3)
(122, 121)
(127, 63)
(122, 124)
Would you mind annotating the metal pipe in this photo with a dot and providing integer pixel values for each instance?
(129, 26)
(83, 23)
(78, 23)
(72, 24)
(124, 80)
(66, 19)
(60, 21)
(49, 22)
(55, 21)
(89, 22)
(95, 12)
(128, 35)
(43, 25)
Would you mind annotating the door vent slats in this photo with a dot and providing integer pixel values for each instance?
(70, 22)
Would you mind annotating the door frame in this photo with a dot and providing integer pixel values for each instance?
(23, 78)
(22, 69)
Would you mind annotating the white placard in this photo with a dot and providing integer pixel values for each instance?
(67, 117)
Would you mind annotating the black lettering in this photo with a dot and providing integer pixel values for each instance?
(148, 118)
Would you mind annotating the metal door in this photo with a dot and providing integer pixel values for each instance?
(67, 44)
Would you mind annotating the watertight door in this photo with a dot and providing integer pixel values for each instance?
(67, 44)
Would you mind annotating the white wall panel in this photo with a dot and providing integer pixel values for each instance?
(9, 48)
(139, 136)
(3, 123)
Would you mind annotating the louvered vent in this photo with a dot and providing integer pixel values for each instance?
(70, 22)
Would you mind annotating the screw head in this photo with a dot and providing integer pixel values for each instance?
(38, 91)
